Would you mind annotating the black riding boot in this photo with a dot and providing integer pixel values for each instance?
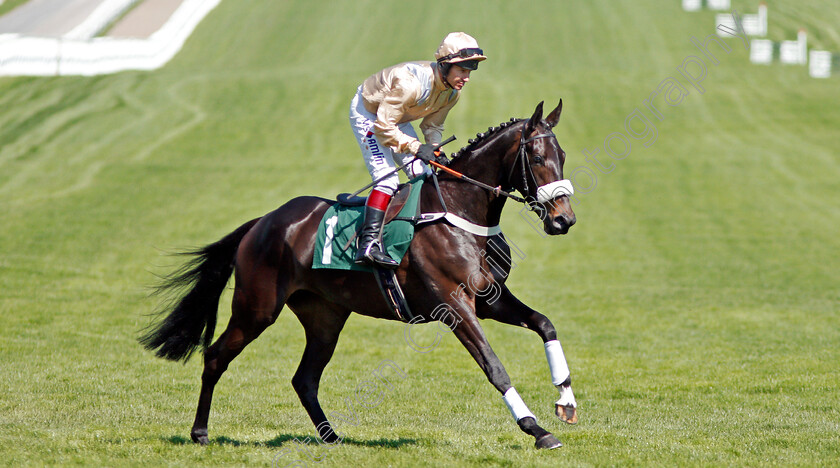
(370, 250)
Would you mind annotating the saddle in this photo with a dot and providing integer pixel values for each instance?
(397, 202)
(336, 237)
(335, 242)
(387, 279)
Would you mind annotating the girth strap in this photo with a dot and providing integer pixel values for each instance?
(461, 223)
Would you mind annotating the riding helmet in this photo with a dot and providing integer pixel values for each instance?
(460, 48)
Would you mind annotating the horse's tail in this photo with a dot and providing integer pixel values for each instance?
(195, 290)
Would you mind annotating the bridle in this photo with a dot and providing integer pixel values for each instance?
(544, 193)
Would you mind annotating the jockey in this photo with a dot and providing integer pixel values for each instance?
(380, 117)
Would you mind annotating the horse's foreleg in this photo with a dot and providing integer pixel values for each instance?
(506, 308)
(471, 335)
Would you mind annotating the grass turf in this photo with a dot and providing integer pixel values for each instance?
(10, 5)
(696, 299)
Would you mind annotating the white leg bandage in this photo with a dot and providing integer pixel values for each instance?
(556, 362)
(567, 397)
(516, 406)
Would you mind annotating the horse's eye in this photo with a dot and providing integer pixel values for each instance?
(538, 160)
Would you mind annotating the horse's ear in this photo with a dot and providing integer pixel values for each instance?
(554, 116)
(536, 118)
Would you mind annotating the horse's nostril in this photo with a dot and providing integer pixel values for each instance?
(564, 220)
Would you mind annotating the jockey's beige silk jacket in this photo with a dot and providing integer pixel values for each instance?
(404, 93)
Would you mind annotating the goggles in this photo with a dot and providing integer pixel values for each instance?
(463, 54)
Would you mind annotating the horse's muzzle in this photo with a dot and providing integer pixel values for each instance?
(560, 224)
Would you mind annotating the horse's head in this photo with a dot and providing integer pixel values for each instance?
(524, 155)
(537, 172)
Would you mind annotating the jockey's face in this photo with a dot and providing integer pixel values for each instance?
(457, 77)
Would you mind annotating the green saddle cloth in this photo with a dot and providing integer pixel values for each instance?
(335, 245)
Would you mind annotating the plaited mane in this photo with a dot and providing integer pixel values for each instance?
(480, 137)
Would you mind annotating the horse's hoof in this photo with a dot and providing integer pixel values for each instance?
(548, 441)
(200, 437)
(567, 414)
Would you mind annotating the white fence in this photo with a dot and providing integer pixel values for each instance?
(764, 51)
(692, 5)
(795, 52)
(820, 64)
(696, 5)
(790, 52)
(761, 51)
(101, 17)
(718, 4)
(754, 25)
(65, 56)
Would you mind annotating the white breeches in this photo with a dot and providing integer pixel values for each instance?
(378, 158)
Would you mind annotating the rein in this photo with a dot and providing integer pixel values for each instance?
(521, 156)
(544, 192)
(496, 190)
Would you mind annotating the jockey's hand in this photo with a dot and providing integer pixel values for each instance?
(426, 152)
(442, 159)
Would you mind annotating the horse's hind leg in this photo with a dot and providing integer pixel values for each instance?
(252, 313)
(322, 322)
(506, 308)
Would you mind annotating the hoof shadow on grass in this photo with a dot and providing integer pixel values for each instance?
(283, 439)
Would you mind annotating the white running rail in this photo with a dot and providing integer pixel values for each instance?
(38, 56)
(101, 17)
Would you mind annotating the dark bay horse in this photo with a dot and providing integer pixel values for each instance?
(271, 260)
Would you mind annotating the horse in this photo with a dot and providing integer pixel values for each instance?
(271, 260)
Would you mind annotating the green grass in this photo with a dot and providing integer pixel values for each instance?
(696, 299)
(10, 5)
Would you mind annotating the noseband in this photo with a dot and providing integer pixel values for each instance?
(545, 193)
